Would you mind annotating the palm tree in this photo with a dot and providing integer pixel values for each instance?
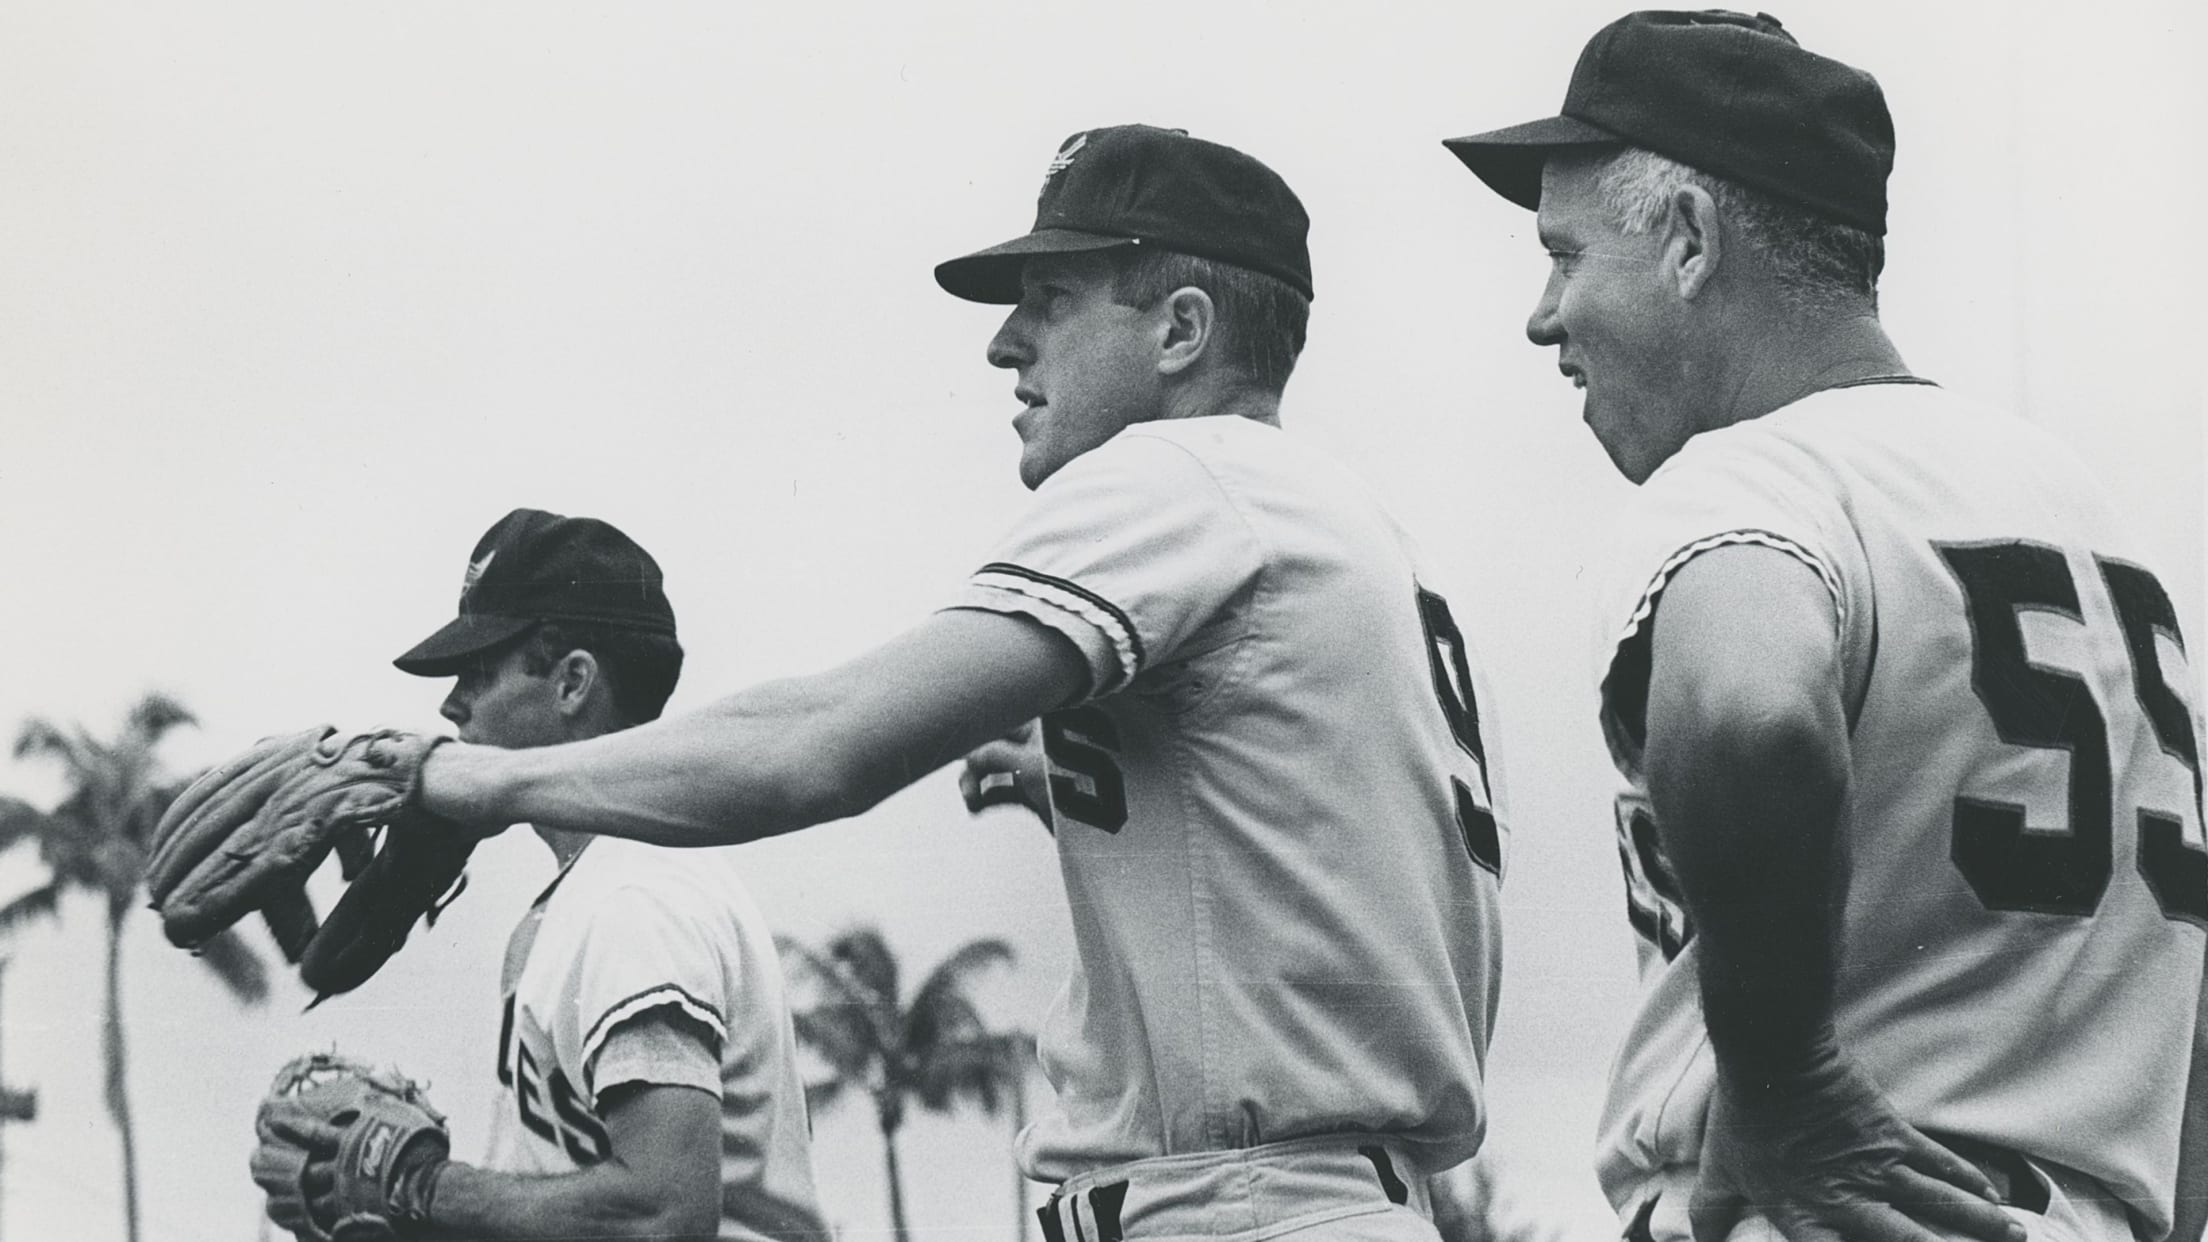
(97, 840)
(933, 1050)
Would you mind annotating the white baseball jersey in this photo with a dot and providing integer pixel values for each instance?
(628, 945)
(1273, 810)
(2021, 943)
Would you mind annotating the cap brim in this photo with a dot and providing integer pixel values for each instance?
(449, 650)
(993, 275)
(1510, 160)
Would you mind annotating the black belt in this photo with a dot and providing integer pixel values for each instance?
(2019, 1184)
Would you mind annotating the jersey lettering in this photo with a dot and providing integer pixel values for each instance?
(2175, 870)
(1085, 784)
(1653, 903)
(505, 1042)
(580, 1133)
(528, 1095)
(2066, 872)
(571, 1124)
(2009, 867)
(1452, 672)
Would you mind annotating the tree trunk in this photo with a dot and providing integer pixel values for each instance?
(4, 1120)
(118, 1088)
(1019, 1180)
(896, 1180)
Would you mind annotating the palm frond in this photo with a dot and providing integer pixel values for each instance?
(937, 1051)
(233, 961)
(69, 844)
(867, 956)
(983, 1071)
(19, 820)
(36, 736)
(817, 969)
(847, 987)
(813, 964)
(121, 861)
(40, 902)
(942, 1011)
(822, 1095)
(955, 972)
(939, 1019)
(840, 1036)
(42, 738)
(151, 718)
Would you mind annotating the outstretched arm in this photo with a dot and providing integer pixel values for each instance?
(1747, 764)
(780, 756)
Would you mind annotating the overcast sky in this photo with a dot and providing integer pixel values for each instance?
(296, 300)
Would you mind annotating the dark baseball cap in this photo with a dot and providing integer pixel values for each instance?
(1139, 185)
(535, 566)
(1727, 93)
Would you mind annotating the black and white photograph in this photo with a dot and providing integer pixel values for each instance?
(979, 622)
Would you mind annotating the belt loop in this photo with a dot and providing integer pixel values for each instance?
(1104, 1205)
(1398, 1193)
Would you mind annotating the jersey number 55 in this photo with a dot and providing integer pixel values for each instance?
(2009, 866)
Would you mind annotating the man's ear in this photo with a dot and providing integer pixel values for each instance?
(573, 679)
(1695, 242)
(1187, 320)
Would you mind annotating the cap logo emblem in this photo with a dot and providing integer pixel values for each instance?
(1064, 159)
(475, 573)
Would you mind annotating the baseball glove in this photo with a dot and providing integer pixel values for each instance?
(410, 876)
(347, 1152)
(247, 834)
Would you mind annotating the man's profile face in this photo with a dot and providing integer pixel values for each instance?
(1087, 365)
(496, 701)
(1613, 320)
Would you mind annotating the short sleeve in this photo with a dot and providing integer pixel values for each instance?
(644, 951)
(1741, 486)
(660, 1047)
(1133, 551)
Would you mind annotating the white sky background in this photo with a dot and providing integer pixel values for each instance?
(296, 300)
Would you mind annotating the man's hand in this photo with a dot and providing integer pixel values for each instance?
(1824, 1158)
(347, 1151)
(246, 835)
(1011, 771)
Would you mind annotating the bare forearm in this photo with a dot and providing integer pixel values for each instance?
(603, 1201)
(1749, 817)
(780, 756)
(727, 774)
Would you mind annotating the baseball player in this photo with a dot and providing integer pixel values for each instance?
(645, 1051)
(1268, 756)
(1910, 807)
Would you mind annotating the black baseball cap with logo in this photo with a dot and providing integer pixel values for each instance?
(1731, 94)
(1131, 185)
(535, 566)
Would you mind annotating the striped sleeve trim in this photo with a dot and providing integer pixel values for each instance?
(1072, 597)
(649, 999)
(1764, 538)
